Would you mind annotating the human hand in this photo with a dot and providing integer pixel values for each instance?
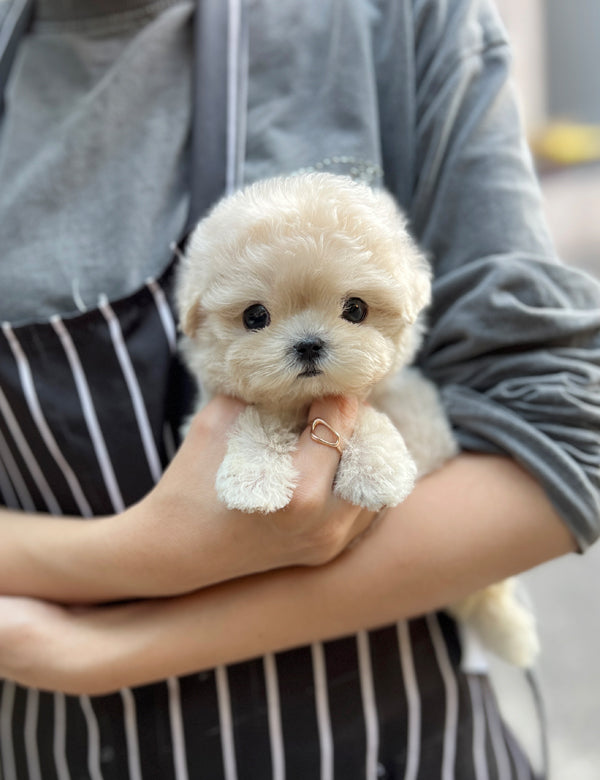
(58, 648)
(29, 630)
(181, 537)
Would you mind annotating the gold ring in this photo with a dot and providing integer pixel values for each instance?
(336, 445)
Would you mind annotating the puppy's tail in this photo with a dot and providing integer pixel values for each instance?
(503, 623)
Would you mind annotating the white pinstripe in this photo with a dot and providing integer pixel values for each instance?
(89, 414)
(523, 771)
(226, 723)
(170, 329)
(451, 689)
(164, 312)
(323, 715)
(31, 748)
(24, 496)
(6, 489)
(274, 716)
(367, 691)
(133, 386)
(479, 722)
(37, 414)
(131, 734)
(413, 702)
(60, 736)
(7, 755)
(27, 455)
(497, 738)
(93, 738)
(177, 732)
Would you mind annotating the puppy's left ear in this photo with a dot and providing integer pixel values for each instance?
(414, 271)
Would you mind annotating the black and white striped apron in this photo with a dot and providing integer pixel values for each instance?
(89, 409)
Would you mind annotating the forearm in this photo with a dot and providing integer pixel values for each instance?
(180, 537)
(58, 558)
(141, 551)
(70, 560)
(477, 520)
(138, 553)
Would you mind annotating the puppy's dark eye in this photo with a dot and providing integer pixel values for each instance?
(256, 317)
(355, 310)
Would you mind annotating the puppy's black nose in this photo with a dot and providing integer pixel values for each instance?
(309, 350)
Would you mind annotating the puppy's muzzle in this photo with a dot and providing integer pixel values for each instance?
(309, 352)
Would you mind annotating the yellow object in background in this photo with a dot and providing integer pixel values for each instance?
(568, 143)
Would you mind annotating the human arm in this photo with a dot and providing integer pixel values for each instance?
(476, 520)
(513, 339)
(180, 537)
(457, 370)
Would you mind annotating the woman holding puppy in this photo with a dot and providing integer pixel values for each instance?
(208, 643)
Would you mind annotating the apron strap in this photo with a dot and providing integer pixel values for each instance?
(220, 85)
(12, 27)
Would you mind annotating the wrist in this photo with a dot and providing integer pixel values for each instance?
(57, 558)
(166, 550)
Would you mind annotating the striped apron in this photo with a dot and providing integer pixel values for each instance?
(90, 406)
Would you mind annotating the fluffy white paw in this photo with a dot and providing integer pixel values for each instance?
(256, 487)
(257, 473)
(376, 469)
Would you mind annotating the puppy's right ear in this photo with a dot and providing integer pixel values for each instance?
(188, 299)
(190, 281)
(191, 318)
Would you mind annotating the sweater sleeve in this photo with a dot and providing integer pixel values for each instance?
(514, 335)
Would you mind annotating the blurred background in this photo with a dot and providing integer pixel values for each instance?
(557, 70)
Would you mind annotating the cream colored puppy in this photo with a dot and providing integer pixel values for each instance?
(300, 287)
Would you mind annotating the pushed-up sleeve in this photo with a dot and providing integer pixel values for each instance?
(514, 335)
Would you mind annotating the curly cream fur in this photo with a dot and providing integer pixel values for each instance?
(301, 246)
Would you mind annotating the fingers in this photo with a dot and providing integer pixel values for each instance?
(213, 423)
(223, 410)
(337, 413)
(318, 460)
(320, 446)
(316, 525)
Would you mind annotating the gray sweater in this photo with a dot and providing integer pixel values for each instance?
(411, 94)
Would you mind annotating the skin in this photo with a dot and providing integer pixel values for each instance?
(180, 537)
(213, 586)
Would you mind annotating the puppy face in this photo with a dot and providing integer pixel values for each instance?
(300, 287)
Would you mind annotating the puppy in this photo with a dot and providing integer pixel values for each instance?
(300, 287)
